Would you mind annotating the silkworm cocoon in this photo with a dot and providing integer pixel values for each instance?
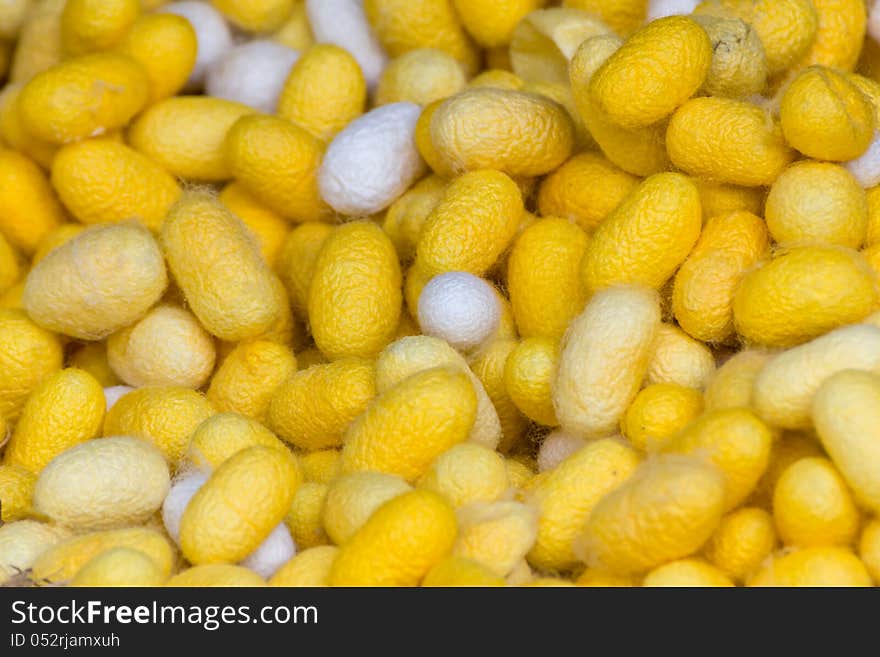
(103, 484)
(817, 202)
(185, 135)
(586, 189)
(556, 447)
(216, 575)
(399, 544)
(604, 357)
(296, 262)
(213, 36)
(403, 25)
(785, 386)
(658, 413)
(96, 25)
(314, 407)
(407, 215)
(705, 284)
(61, 562)
(641, 151)
(666, 510)
(739, 65)
(728, 141)
(519, 473)
(28, 354)
(790, 447)
(497, 77)
(308, 568)
(413, 354)
(372, 161)
(736, 442)
(100, 281)
(675, 54)
(496, 535)
(278, 163)
(322, 466)
(567, 496)
(305, 516)
(267, 227)
(64, 410)
(460, 308)
(9, 267)
(353, 498)
(420, 76)
(492, 24)
(472, 226)
(219, 269)
(248, 377)
(545, 40)
(679, 359)
(355, 298)
(826, 117)
(662, 8)
(22, 542)
(519, 133)
(223, 435)
(239, 506)
(869, 549)
(543, 277)
(528, 378)
(167, 47)
(16, 487)
(813, 506)
(252, 74)
(409, 425)
(488, 365)
(456, 571)
(731, 385)
(119, 567)
(256, 15)
(811, 567)
(164, 415)
(104, 181)
(29, 209)
(344, 24)
(167, 347)
(122, 91)
(743, 540)
(840, 34)
(277, 549)
(647, 237)
(802, 294)
(787, 28)
(467, 473)
(850, 437)
(324, 92)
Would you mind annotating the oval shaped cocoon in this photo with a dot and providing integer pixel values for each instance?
(103, 484)
(803, 293)
(647, 237)
(239, 505)
(411, 424)
(355, 297)
(851, 437)
(666, 510)
(98, 282)
(519, 133)
(399, 544)
(372, 161)
(219, 269)
(605, 355)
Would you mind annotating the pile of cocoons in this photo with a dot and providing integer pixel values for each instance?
(440, 293)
